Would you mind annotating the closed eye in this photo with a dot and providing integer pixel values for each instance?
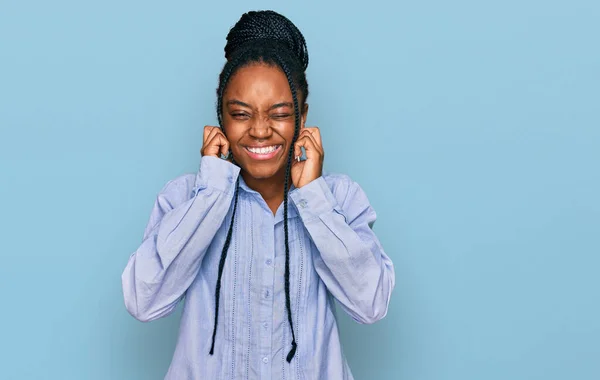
(239, 115)
(280, 116)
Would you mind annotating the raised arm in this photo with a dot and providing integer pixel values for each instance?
(181, 227)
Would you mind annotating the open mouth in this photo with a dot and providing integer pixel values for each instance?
(263, 153)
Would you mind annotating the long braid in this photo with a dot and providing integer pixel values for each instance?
(223, 81)
(222, 265)
(270, 38)
(285, 204)
(226, 74)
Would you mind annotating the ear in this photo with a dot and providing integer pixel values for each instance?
(304, 114)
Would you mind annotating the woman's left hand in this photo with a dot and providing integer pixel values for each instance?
(310, 169)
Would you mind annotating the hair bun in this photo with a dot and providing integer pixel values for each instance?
(267, 25)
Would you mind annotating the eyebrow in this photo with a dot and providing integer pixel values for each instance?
(238, 103)
(279, 105)
(274, 106)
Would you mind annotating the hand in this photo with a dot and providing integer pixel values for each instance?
(303, 172)
(215, 143)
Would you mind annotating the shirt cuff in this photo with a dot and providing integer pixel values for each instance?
(217, 173)
(314, 199)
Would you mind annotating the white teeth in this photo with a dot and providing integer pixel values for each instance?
(266, 150)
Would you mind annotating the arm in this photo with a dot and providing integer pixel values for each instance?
(350, 259)
(181, 227)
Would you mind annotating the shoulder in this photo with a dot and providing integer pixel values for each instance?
(344, 188)
(337, 181)
(174, 193)
(351, 199)
(181, 183)
(178, 189)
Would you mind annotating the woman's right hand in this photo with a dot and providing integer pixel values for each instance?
(215, 143)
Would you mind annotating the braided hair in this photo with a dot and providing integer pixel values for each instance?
(270, 38)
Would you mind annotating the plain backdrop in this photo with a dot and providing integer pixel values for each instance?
(473, 126)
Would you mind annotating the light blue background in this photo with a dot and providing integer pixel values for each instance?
(473, 127)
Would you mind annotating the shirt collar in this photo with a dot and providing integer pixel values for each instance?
(292, 210)
(245, 187)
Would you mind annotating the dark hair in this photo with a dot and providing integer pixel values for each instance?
(270, 38)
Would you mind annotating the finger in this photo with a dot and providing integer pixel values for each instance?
(316, 133)
(206, 144)
(305, 133)
(297, 150)
(211, 134)
(224, 144)
(315, 146)
(309, 145)
(207, 130)
(221, 141)
(219, 144)
(298, 145)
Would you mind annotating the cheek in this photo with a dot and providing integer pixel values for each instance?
(286, 130)
(232, 130)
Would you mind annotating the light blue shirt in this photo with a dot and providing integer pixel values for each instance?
(334, 255)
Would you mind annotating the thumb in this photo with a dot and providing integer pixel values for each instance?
(225, 151)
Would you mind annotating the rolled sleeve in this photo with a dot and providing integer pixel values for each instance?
(349, 259)
(216, 173)
(314, 199)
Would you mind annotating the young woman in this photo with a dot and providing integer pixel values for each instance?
(260, 242)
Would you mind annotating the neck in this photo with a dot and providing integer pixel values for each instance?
(271, 189)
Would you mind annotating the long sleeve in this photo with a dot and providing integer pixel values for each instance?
(181, 227)
(350, 259)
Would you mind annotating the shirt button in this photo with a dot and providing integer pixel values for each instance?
(303, 203)
(265, 325)
(268, 262)
(265, 360)
(267, 294)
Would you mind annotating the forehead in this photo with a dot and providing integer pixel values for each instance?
(258, 83)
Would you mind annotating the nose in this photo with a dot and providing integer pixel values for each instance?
(260, 129)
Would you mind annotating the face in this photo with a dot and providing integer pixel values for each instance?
(259, 121)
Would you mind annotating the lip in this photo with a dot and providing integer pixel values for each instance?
(258, 156)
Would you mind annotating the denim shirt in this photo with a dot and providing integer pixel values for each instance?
(334, 255)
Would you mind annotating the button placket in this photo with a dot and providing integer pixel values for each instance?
(266, 296)
(303, 203)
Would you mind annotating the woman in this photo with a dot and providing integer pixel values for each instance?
(259, 241)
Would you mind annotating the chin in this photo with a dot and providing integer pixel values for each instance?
(261, 173)
(262, 170)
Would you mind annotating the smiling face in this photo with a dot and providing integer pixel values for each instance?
(259, 120)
